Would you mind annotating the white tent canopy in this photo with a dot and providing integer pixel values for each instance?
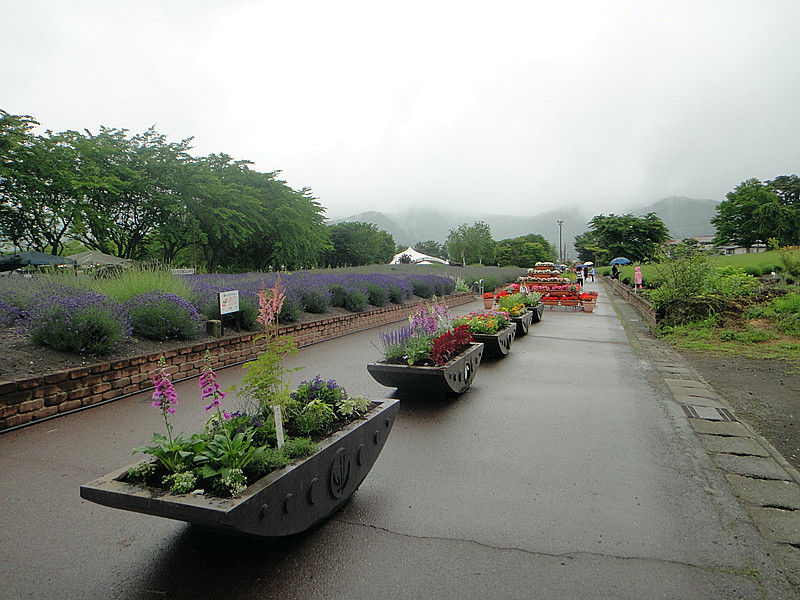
(417, 258)
(94, 258)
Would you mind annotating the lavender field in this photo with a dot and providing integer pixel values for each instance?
(85, 314)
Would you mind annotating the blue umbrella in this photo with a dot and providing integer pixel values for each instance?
(620, 260)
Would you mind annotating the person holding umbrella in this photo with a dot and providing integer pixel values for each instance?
(615, 271)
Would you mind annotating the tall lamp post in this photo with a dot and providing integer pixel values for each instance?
(560, 254)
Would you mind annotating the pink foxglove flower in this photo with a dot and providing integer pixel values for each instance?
(209, 387)
(165, 398)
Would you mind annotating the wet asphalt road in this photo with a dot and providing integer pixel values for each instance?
(566, 471)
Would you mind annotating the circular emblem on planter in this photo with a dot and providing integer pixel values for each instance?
(340, 472)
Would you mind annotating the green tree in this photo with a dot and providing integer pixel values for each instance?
(524, 251)
(588, 247)
(636, 238)
(429, 247)
(355, 243)
(129, 185)
(755, 212)
(39, 187)
(471, 244)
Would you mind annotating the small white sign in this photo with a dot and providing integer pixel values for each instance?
(228, 302)
(276, 410)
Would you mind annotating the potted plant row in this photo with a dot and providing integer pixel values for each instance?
(524, 308)
(492, 328)
(569, 299)
(428, 354)
(588, 301)
(283, 463)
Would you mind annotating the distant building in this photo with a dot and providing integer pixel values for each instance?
(706, 242)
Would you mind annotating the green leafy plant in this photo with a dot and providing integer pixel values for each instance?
(263, 380)
(224, 458)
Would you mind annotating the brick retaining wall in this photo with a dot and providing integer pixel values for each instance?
(26, 401)
(629, 294)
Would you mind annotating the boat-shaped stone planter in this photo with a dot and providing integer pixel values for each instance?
(522, 323)
(498, 344)
(454, 377)
(285, 502)
(538, 312)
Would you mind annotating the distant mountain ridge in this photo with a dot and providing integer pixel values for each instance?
(684, 217)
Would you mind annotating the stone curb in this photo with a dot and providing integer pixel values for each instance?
(765, 484)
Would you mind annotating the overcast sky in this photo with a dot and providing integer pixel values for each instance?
(506, 107)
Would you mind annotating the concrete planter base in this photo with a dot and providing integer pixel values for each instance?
(285, 502)
(499, 344)
(523, 323)
(454, 377)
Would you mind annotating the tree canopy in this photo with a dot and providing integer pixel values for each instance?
(524, 251)
(141, 196)
(758, 211)
(471, 244)
(431, 248)
(636, 238)
(354, 243)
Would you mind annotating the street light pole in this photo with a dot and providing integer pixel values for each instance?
(560, 254)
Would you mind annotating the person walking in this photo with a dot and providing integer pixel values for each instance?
(614, 272)
(579, 276)
(637, 277)
(591, 272)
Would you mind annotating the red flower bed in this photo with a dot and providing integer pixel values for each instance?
(450, 343)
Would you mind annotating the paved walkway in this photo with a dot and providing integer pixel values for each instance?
(568, 470)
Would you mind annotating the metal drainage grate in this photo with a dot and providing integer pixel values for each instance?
(709, 413)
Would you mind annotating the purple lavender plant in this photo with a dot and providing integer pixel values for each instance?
(85, 322)
(160, 316)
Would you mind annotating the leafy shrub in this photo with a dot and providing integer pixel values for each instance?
(682, 276)
(89, 323)
(8, 314)
(316, 300)
(248, 311)
(299, 447)
(422, 288)
(377, 295)
(355, 300)
(396, 294)
(270, 459)
(753, 270)
(490, 282)
(161, 316)
(348, 298)
(791, 262)
(290, 309)
(418, 349)
(731, 282)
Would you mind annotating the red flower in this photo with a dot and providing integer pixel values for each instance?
(488, 296)
(450, 343)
